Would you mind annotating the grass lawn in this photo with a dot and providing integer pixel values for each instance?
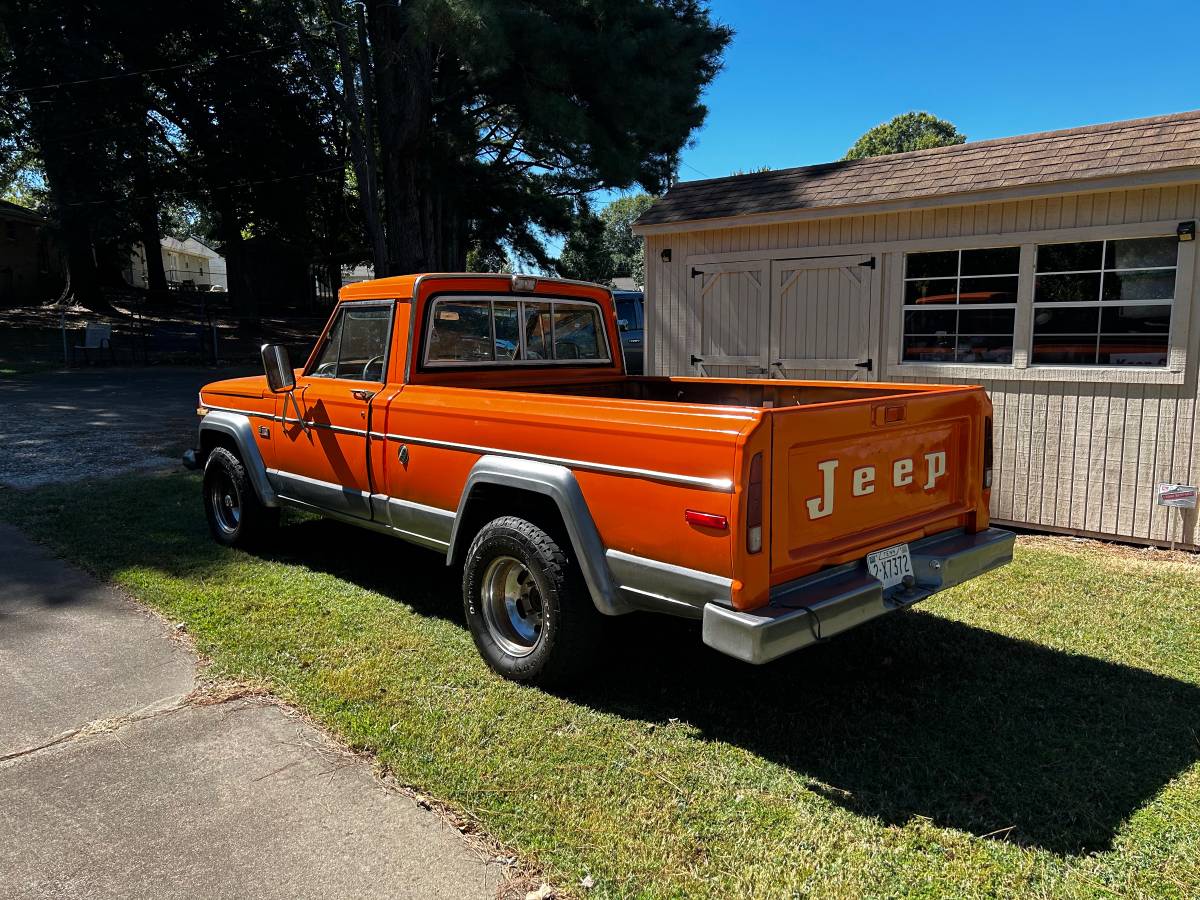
(1034, 733)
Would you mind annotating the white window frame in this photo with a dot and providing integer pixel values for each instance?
(959, 306)
(520, 301)
(1187, 296)
(1099, 303)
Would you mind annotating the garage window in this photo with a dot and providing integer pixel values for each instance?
(960, 305)
(1105, 303)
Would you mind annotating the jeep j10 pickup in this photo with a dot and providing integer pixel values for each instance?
(489, 419)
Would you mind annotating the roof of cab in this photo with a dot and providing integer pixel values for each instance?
(402, 286)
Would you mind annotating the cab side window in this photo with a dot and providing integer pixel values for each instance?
(356, 345)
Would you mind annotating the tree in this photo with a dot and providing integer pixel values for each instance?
(908, 131)
(496, 116)
(603, 247)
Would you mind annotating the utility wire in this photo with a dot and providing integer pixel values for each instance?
(186, 65)
(239, 182)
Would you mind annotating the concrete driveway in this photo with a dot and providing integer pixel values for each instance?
(118, 780)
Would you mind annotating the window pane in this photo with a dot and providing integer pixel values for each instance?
(992, 261)
(1069, 257)
(1142, 253)
(537, 330)
(326, 365)
(985, 349)
(930, 321)
(936, 291)
(1049, 288)
(1067, 350)
(628, 310)
(461, 331)
(364, 339)
(1145, 350)
(929, 349)
(1066, 319)
(1135, 320)
(1139, 285)
(988, 290)
(576, 332)
(508, 331)
(932, 265)
(987, 321)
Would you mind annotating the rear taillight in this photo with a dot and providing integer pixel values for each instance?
(754, 505)
(987, 453)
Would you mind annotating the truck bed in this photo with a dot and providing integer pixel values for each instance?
(748, 393)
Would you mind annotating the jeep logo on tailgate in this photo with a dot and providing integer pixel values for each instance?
(862, 480)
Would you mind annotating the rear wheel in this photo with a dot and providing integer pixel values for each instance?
(236, 517)
(526, 605)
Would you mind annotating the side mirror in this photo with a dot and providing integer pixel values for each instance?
(280, 376)
(623, 324)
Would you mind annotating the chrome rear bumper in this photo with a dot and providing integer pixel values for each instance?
(817, 607)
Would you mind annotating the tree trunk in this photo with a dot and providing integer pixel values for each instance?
(403, 93)
(146, 210)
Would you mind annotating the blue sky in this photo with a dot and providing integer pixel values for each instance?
(803, 80)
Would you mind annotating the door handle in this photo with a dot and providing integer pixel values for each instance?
(362, 394)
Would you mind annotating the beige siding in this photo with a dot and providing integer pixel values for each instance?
(1080, 455)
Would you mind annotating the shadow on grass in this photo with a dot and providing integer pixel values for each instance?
(912, 715)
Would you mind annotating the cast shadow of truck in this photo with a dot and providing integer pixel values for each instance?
(911, 715)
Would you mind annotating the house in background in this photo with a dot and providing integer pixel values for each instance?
(1058, 270)
(31, 266)
(187, 264)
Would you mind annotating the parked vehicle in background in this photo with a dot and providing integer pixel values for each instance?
(490, 418)
(631, 315)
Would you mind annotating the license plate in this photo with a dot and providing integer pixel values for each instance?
(890, 565)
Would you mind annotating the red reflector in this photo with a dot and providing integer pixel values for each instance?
(708, 520)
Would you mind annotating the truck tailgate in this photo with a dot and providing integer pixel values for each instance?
(852, 477)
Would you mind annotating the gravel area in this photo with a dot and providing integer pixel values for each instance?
(65, 426)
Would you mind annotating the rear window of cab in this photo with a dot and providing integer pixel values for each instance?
(481, 331)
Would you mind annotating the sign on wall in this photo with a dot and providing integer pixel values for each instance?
(1182, 496)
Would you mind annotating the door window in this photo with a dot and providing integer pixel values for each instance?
(356, 345)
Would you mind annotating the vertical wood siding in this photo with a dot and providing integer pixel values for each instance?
(1079, 456)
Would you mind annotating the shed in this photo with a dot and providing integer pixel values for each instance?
(1055, 269)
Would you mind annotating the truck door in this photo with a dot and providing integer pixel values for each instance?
(321, 457)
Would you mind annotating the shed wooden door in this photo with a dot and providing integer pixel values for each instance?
(822, 316)
(733, 316)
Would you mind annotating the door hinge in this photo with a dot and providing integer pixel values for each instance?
(696, 272)
(865, 364)
(696, 360)
(868, 263)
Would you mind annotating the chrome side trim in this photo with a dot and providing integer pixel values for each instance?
(284, 420)
(323, 495)
(663, 587)
(559, 484)
(723, 485)
(236, 424)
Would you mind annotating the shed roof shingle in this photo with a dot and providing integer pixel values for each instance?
(1073, 154)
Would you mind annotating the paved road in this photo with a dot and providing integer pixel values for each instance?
(114, 782)
(97, 422)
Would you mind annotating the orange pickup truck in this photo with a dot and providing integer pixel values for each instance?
(489, 418)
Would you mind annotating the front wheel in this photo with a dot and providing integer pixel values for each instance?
(526, 605)
(236, 517)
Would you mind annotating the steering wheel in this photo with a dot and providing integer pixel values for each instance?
(367, 368)
(326, 370)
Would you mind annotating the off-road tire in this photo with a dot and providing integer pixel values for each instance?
(571, 626)
(225, 480)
